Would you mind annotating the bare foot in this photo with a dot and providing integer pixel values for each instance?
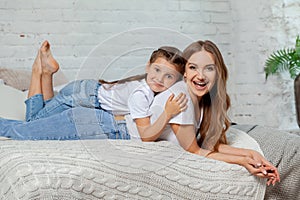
(48, 63)
(37, 65)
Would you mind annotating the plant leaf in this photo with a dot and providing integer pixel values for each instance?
(284, 60)
(297, 47)
(294, 70)
(279, 61)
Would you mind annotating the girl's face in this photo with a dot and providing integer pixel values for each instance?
(200, 73)
(161, 75)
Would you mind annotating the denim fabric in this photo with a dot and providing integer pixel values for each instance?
(123, 132)
(71, 124)
(33, 105)
(79, 93)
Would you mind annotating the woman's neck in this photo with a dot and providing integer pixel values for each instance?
(195, 99)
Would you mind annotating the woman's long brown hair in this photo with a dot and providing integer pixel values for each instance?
(215, 104)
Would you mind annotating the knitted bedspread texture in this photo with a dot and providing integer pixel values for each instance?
(116, 169)
(283, 150)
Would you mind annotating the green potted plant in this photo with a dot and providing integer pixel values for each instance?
(287, 59)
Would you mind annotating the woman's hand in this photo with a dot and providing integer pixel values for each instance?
(263, 171)
(175, 105)
(253, 160)
(262, 162)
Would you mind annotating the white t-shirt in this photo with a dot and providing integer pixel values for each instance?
(157, 107)
(186, 117)
(133, 97)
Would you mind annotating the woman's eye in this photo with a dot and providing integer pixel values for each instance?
(210, 68)
(192, 67)
(156, 69)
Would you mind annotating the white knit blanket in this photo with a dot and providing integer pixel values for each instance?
(115, 169)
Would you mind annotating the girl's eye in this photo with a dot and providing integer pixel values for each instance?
(169, 76)
(156, 69)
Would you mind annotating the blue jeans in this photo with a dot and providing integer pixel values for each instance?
(79, 93)
(72, 124)
(74, 113)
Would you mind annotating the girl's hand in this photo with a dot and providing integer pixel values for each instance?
(175, 105)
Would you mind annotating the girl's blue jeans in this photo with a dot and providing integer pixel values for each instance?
(72, 124)
(79, 93)
(72, 114)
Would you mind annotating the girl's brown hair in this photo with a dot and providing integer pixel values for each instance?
(170, 54)
(216, 103)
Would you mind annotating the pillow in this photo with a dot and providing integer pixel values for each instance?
(20, 79)
(12, 104)
(13, 91)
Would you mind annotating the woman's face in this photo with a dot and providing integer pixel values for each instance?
(200, 73)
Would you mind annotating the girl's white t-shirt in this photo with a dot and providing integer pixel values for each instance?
(134, 97)
(186, 117)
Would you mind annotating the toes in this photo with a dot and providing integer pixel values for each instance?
(45, 46)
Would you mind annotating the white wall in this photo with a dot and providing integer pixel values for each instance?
(76, 27)
(260, 28)
(113, 38)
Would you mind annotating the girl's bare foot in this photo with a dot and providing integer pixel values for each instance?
(36, 75)
(48, 63)
(37, 65)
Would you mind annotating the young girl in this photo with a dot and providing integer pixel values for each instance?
(76, 101)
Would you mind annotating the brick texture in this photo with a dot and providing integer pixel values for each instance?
(112, 39)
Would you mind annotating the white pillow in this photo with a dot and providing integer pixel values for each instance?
(12, 104)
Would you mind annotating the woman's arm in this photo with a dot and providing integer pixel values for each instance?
(186, 137)
(148, 132)
(259, 159)
(224, 148)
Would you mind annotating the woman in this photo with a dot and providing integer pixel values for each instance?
(201, 129)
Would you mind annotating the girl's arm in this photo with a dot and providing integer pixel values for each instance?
(150, 133)
(186, 137)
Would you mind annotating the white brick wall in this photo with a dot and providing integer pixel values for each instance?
(113, 38)
(258, 30)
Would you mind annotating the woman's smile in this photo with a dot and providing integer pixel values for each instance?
(200, 85)
(200, 73)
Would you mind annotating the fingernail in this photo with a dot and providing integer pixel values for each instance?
(258, 164)
(265, 172)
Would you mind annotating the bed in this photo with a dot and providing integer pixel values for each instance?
(112, 169)
(115, 169)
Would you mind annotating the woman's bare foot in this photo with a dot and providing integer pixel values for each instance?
(48, 63)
